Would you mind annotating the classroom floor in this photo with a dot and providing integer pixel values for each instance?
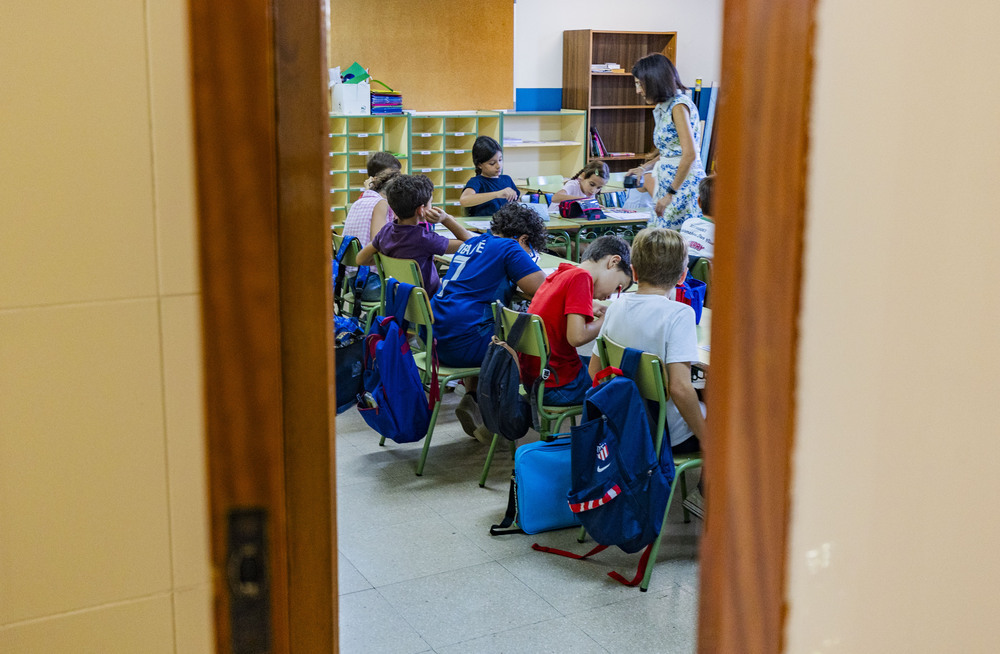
(419, 571)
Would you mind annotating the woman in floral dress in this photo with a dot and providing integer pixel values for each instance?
(678, 166)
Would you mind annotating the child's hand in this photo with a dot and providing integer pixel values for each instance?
(435, 215)
(508, 194)
(663, 203)
(599, 309)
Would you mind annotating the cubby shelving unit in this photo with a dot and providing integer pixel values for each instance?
(544, 142)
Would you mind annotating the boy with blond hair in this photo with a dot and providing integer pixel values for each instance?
(648, 320)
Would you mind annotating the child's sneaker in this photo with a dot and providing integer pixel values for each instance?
(468, 414)
(695, 503)
(483, 434)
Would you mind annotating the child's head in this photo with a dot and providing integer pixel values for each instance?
(659, 257)
(610, 265)
(656, 78)
(380, 181)
(406, 194)
(593, 177)
(516, 221)
(705, 188)
(487, 157)
(380, 161)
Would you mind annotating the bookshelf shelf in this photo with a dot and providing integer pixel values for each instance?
(610, 101)
(538, 143)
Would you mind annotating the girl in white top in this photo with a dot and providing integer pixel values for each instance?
(699, 232)
(371, 212)
(585, 184)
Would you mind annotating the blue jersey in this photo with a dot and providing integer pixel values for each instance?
(485, 268)
(481, 184)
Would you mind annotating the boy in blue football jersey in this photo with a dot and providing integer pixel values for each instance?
(485, 268)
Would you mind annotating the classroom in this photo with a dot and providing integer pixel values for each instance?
(175, 476)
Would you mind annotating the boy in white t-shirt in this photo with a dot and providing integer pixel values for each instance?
(647, 320)
(699, 233)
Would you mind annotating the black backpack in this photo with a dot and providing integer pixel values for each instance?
(505, 411)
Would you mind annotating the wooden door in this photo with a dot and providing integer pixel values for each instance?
(260, 126)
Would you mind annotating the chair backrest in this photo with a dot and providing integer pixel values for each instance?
(651, 378)
(534, 342)
(350, 257)
(421, 318)
(402, 270)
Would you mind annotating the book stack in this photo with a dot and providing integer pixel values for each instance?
(386, 102)
(606, 68)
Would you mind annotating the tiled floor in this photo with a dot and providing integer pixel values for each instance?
(419, 571)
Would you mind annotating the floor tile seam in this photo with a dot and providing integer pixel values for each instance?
(503, 631)
(430, 574)
(366, 532)
(406, 620)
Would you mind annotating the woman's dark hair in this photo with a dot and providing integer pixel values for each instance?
(407, 193)
(610, 245)
(379, 161)
(658, 77)
(705, 188)
(514, 220)
(384, 178)
(483, 150)
(594, 167)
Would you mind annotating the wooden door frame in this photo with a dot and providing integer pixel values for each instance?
(261, 176)
(259, 85)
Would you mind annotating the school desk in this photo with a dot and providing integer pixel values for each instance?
(585, 228)
(562, 230)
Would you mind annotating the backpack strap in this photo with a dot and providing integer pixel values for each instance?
(397, 296)
(517, 330)
(639, 573)
(630, 362)
(339, 269)
(511, 515)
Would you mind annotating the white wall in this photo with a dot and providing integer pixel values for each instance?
(539, 24)
(894, 534)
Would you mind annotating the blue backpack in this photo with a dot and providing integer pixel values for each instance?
(393, 402)
(619, 486)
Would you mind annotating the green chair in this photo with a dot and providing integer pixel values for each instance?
(652, 386)
(402, 270)
(702, 270)
(534, 342)
(344, 296)
(421, 318)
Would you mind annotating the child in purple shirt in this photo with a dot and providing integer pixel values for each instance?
(408, 237)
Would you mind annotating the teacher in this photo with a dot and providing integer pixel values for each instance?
(678, 167)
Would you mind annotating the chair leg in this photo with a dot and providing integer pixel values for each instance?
(644, 586)
(427, 438)
(684, 494)
(489, 461)
(381, 442)
(582, 536)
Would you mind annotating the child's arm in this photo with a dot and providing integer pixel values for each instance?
(595, 365)
(579, 331)
(379, 213)
(470, 198)
(685, 397)
(437, 215)
(529, 283)
(367, 255)
(562, 195)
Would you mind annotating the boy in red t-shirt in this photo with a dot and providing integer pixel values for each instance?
(565, 302)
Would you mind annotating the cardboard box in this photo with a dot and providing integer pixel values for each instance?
(352, 99)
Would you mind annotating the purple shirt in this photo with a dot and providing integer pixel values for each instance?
(413, 242)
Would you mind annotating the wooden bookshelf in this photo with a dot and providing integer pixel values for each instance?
(538, 143)
(610, 99)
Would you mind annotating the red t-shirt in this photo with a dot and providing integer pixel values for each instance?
(570, 289)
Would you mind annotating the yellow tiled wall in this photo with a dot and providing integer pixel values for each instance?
(103, 514)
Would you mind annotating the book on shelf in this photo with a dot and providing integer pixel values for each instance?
(597, 143)
(606, 68)
(621, 154)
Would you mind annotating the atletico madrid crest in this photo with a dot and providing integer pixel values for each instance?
(602, 451)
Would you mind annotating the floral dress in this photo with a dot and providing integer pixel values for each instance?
(666, 140)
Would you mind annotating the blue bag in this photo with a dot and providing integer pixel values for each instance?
(393, 402)
(692, 292)
(620, 487)
(367, 287)
(538, 487)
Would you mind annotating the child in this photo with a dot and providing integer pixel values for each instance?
(565, 302)
(699, 232)
(486, 268)
(646, 320)
(489, 190)
(370, 211)
(410, 199)
(585, 184)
